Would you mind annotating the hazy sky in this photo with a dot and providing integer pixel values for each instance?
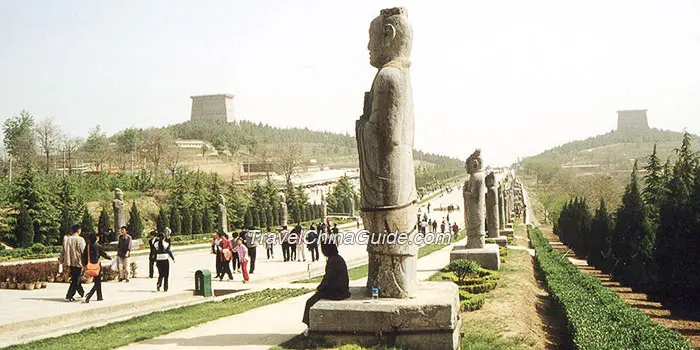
(511, 77)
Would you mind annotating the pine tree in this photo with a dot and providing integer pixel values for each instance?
(601, 235)
(633, 241)
(175, 220)
(248, 220)
(196, 222)
(88, 223)
(675, 220)
(654, 188)
(24, 228)
(256, 217)
(103, 222)
(135, 223)
(207, 221)
(162, 221)
(186, 218)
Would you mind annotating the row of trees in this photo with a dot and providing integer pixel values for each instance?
(652, 241)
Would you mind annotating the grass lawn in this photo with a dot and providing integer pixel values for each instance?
(361, 271)
(160, 323)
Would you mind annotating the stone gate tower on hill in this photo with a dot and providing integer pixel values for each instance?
(632, 120)
(215, 108)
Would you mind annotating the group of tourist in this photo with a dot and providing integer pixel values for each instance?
(428, 225)
(295, 241)
(236, 252)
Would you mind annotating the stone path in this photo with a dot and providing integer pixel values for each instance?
(267, 326)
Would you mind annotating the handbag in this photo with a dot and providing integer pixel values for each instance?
(92, 269)
(227, 254)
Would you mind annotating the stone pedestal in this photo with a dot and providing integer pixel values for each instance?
(508, 232)
(500, 240)
(430, 320)
(509, 226)
(487, 256)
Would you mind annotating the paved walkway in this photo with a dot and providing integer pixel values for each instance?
(266, 326)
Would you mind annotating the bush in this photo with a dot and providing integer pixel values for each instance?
(597, 317)
(38, 248)
(471, 302)
(463, 268)
(480, 288)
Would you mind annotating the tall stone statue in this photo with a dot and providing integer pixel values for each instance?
(492, 206)
(222, 222)
(119, 209)
(352, 206)
(385, 147)
(501, 203)
(474, 194)
(324, 208)
(284, 213)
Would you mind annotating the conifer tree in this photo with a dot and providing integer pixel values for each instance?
(248, 220)
(207, 221)
(186, 218)
(654, 188)
(196, 221)
(163, 220)
(103, 222)
(633, 241)
(135, 223)
(88, 223)
(24, 228)
(175, 220)
(601, 235)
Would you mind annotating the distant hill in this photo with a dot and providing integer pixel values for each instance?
(612, 152)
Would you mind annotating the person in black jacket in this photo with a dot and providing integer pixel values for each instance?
(152, 254)
(162, 254)
(96, 252)
(335, 284)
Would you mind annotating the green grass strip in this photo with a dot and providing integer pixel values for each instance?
(149, 326)
(361, 271)
(598, 318)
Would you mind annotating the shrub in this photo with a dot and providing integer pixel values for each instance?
(38, 248)
(463, 268)
(597, 317)
(480, 288)
(471, 302)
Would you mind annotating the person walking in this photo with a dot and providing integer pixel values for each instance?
(226, 254)
(335, 284)
(270, 243)
(312, 243)
(301, 246)
(71, 256)
(442, 227)
(243, 257)
(251, 242)
(455, 229)
(236, 265)
(292, 239)
(434, 226)
(123, 254)
(93, 251)
(284, 238)
(152, 253)
(162, 253)
(216, 251)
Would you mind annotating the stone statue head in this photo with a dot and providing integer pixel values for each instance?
(390, 37)
(222, 199)
(490, 179)
(118, 194)
(474, 164)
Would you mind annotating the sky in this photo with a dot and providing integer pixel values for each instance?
(513, 78)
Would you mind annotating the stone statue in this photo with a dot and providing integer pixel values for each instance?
(119, 209)
(284, 213)
(352, 206)
(501, 204)
(474, 195)
(492, 206)
(222, 223)
(384, 135)
(324, 208)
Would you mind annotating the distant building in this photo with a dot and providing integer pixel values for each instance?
(214, 108)
(632, 120)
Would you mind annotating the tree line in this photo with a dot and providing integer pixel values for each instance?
(652, 241)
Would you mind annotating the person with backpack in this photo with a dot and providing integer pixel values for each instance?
(91, 260)
(162, 253)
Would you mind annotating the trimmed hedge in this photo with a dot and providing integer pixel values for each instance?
(597, 317)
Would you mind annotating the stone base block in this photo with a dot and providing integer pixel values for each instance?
(487, 256)
(507, 232)
(501, 240)
(509, 225)
(430, 320)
